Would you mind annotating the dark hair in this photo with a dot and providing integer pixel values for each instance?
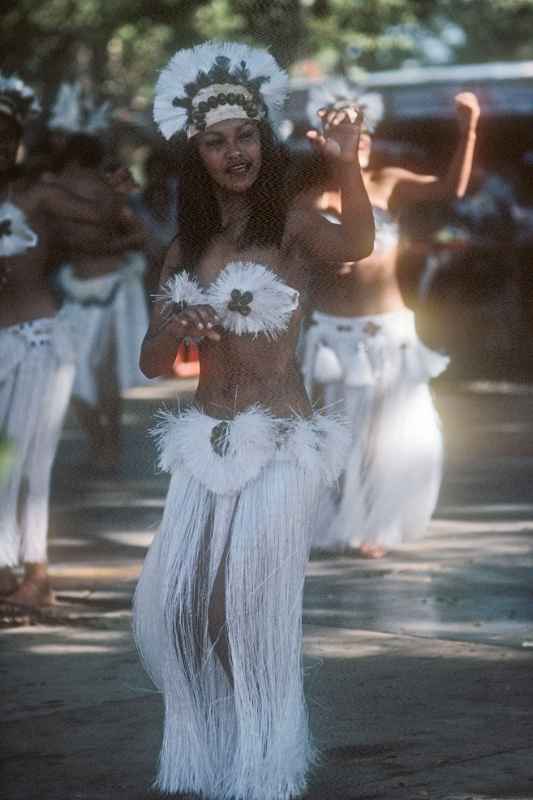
(198, 211)
(83, 149)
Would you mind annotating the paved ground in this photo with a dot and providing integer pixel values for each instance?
(419, 667)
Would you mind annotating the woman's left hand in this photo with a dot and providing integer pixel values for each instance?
(341, 131)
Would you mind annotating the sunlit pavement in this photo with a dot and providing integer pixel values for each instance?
(419, 667)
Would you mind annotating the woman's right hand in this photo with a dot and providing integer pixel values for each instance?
(194, 321)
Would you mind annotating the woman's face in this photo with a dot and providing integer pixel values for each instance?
(231, 153)
(365, 146)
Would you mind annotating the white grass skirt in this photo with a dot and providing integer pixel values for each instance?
(242, 498)
(36, 374)
(376, 371)
(111, 320)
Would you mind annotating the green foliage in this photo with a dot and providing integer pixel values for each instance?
(119, 46)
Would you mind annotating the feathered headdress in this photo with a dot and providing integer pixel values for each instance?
(17, 100)
(75, 111)
(336, 93)
(217, 81)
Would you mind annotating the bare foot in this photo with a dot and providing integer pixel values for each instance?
(32, 593)
(8, 581)
(370, 551)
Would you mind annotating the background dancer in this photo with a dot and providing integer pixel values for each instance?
(218, 605)
(37, 220)
(362, 355)
(106, 294)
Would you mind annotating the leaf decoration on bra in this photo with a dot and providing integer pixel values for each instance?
(240, 302)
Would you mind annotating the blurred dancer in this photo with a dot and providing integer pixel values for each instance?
(36, 349)
(363, 356)
(156, 207)
(106, 294)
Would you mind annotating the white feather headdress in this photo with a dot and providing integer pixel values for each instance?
(17, 99)
(216, 81)
(75, 111)
(336, 92)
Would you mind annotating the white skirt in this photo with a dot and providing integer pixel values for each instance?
(376, 371)
(36, 374)
(242, 498)
(112, 320)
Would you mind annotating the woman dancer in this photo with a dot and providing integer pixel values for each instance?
(363, 356)
(217, 613)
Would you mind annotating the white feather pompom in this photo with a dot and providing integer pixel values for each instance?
(266, 301)
(189, 440)
(181, 288)
(16, 236)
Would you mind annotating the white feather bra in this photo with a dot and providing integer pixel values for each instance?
(16, 236)
(248, 298)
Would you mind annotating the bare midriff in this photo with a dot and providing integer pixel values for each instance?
(243, 371)
(27, 294)
(362, 288)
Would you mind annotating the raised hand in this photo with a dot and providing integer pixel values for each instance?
(341, 129)
(467, 110)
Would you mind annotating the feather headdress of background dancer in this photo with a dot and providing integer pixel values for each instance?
(337, 92)
(19, 103)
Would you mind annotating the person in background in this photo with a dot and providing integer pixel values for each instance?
(362, 355)
(106, 295)
(37, 347)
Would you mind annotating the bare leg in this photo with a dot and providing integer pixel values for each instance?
(217, 627)
(35, 590)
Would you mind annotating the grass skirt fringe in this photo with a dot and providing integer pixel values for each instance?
(376, 371)
(242, 496)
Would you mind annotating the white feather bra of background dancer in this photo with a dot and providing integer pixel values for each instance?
(240, 504)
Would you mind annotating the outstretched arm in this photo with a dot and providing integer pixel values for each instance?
(353, 239)
(410, 188)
